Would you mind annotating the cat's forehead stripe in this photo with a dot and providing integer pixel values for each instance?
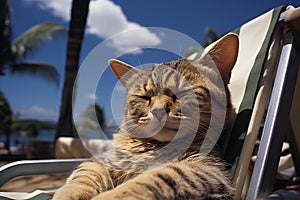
(162, 76)
(169, 76)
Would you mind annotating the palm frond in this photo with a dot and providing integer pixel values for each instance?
(210, 36)
(34, 36)
(93, 109)
(88, 124)
(47, 71)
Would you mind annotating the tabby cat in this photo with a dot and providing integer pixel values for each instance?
(170, 102)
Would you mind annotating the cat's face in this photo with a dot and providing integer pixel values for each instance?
(165, 98)
(175, 97)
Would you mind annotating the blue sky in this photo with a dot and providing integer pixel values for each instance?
(34, 97)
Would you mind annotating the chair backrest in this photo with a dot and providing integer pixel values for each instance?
(251, 84)
(252, 75)
(263, 87)
(278, 126)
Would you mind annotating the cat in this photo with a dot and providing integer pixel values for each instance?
(169, 102)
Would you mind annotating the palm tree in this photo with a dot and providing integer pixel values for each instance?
(89, 122)
(210, 36)
(6, 119)
(12, 53)
(79, 12)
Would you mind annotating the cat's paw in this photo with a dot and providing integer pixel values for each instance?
(68, 192)
(118, 195)
(111, 196)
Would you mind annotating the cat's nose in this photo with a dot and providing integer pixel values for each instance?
(159, 112)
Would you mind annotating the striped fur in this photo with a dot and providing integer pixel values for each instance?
(162, 105)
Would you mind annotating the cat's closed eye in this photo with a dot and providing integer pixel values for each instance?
(168, 92)
(184, 92)
(144, 97)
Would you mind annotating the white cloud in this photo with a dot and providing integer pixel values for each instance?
(105, 20)
(59, 8)
(37, 112)
(92, 96)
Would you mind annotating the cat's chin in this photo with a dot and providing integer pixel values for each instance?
(165, 134)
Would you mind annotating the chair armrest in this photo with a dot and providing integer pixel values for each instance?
(36, 167)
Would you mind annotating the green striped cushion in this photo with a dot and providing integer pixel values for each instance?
(254, 39)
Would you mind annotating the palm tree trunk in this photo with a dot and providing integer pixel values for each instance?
(5, 34)
(79, 12)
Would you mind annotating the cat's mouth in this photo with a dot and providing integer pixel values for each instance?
(171, 125)
(170, 129)
(165, 134)
(168, 126)
(162, 129)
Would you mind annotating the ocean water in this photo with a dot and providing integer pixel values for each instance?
(16, 141)
(49, 136)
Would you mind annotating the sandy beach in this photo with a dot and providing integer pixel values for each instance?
(30, 183)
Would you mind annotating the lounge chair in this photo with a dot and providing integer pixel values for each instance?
(265, 87)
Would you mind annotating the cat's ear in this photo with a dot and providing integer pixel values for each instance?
(123, 71)
(224, 54)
